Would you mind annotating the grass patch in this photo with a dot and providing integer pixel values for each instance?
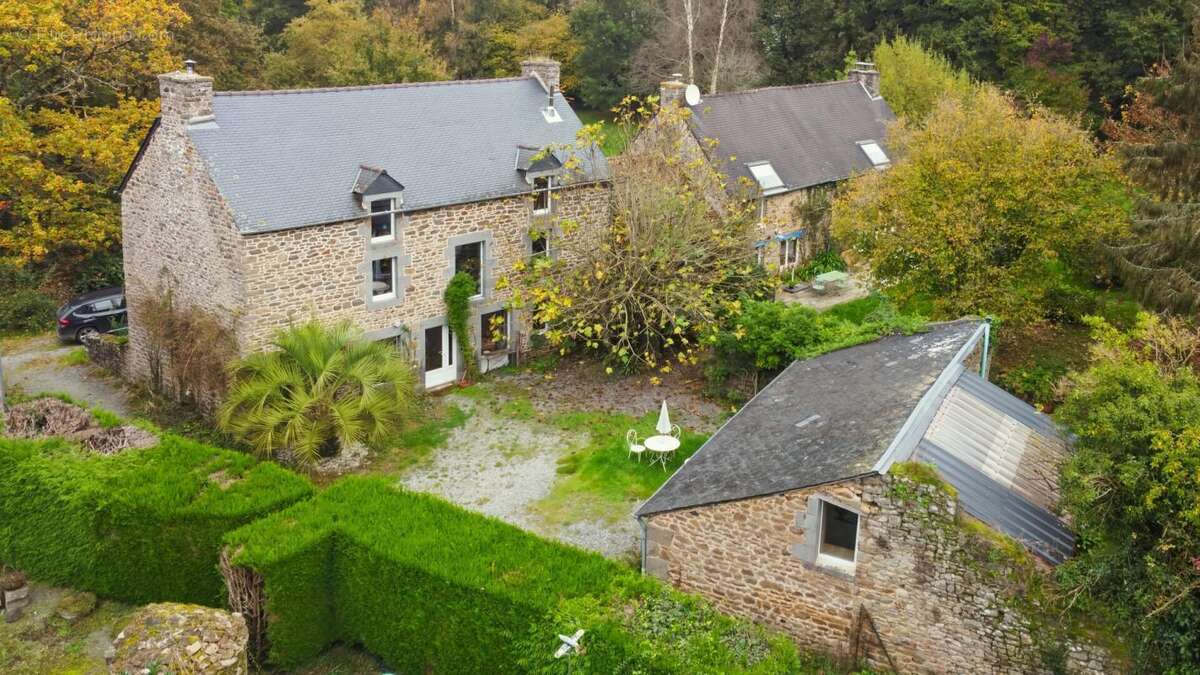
(599, 479)
(13, 342)
(414, 444)
(922, 473)
(76, 357)
(615, 138)
(60, 646)
(856, 311)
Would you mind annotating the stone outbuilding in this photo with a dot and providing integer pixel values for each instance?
(786, 148)
(790, 515)
(359, 203)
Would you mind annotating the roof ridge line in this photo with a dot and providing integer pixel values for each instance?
(367, 87)
(803, 85)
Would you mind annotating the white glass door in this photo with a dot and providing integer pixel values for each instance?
(440, 348)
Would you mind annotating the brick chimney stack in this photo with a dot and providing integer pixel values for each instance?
(185, 96)
(671, 92)
(865, 74)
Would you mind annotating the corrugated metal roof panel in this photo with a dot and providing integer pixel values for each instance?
(1036, 528)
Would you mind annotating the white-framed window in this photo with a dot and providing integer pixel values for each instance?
(542, 199)
(383, 279)
(789, 252)
(469, 258)
(875, 153)
(493, 331)
(383, 220)
(837, 546)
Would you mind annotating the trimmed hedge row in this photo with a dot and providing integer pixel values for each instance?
(420, 582)
(142, 526)
(431, 587)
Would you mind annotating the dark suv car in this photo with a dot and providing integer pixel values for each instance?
(101, 311)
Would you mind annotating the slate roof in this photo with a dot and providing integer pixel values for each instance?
(822, 420)
(286, 159)
(857, 411)
(809, 133)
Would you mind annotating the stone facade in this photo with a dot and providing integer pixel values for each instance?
(180, 235)
(177, 232)
(933, 609)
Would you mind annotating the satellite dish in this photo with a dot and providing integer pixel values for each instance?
(692, 95)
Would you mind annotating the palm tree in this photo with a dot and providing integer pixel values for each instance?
(320, 389)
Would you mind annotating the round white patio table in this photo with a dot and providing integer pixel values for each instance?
(662, 446)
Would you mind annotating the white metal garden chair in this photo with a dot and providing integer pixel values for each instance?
(635, 447)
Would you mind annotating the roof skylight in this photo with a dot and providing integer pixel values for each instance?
(875, 153)
(768, 180)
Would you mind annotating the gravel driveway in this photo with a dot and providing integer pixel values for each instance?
(37, 366)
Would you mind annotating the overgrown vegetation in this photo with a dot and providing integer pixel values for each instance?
(914, 80)
(142, 526)
(1131, 487)
(651, 287)
(986, 210)
(457, 297)
(188, 348)
(319, 389)
(765, 337)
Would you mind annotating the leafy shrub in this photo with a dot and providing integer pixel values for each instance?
(1069, 304)
(26, 310)
(142, 526)
(1037, 383)
(825, 261)
(1130, 488)
(767, 336)
(642, 626)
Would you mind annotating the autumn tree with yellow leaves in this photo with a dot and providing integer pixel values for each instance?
(73, 76)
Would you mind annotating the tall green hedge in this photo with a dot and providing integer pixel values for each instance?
(142, 526)
(416, 580)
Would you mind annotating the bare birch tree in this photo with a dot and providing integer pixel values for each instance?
(712, 87)
(689, 18)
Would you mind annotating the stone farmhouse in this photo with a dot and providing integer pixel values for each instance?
(789, 515)
(787, 147)
(359, 203)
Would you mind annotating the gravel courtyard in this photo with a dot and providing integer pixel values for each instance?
(505, 458)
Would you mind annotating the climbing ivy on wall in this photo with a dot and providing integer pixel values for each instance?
(457, 297)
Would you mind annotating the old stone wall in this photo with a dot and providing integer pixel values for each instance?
(106, 351)
(934, 609)
(177, 235)
(324, 270)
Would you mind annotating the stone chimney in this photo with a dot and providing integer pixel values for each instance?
(185, 97)
(864, 73)
(671, 92)
(546, 70)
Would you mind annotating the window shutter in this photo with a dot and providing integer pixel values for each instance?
(810, 522)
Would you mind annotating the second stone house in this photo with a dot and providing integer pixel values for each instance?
(359, 203)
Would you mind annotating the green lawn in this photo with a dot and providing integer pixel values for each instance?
(599, 479)
(615, 137)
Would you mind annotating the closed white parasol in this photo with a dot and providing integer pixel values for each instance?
(664, 420)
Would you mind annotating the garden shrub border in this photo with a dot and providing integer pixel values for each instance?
(431, 587)
(142, 526)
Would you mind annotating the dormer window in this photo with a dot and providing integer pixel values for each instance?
(769, 182)
(383, 220)
(542, 186)
(875, 153)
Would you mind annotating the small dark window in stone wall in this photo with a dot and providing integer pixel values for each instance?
(839, 532)
(469, 258)
(493, 326)
(383, 278)
(540, 244)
